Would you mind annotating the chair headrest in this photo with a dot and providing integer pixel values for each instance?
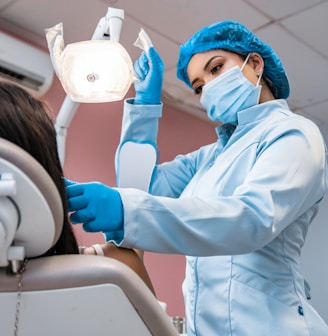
(31, 212)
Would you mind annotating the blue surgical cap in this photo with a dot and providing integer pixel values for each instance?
(233, 36)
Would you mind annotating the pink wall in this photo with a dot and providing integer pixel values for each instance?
(91, 143)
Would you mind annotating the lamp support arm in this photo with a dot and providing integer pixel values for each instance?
(109, 27)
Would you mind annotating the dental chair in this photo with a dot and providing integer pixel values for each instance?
(65, 295)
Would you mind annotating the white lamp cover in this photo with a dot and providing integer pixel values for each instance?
(96, 71)
(91, 71)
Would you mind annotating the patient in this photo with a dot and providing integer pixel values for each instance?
(25, 121)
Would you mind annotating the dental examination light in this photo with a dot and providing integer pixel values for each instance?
(99, 70)
(79, 59)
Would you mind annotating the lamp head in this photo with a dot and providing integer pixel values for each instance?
(95, 71)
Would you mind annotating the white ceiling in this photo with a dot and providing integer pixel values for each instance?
(296, 29)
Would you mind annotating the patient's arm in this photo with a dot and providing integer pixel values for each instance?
(132, 258)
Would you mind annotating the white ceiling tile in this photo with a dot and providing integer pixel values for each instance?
(280, 8)
(324, 128)
(166, 48)
(75, 15)
(177, 20)
(307, 71)
(4, 4)
(318, 113)
(311, 27)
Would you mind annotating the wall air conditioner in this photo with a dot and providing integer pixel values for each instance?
(25, 65)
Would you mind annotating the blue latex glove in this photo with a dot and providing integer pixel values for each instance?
(149, 69)
(96, 206)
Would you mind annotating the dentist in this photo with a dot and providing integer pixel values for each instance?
(239, 208)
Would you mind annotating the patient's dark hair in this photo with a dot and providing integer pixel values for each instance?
(26, 122)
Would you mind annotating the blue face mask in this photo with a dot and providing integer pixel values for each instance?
(226, 95)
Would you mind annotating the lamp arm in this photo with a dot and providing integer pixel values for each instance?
(63, 120)
(109, 27)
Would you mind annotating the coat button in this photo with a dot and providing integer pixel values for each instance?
(300, 310)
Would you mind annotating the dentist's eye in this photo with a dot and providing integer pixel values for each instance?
(197, 86)
(198, 90)
(215, 69)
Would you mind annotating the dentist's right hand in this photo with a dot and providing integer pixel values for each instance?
(149, 69)
(96, 206)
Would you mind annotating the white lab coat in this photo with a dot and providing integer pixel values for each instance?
(239, 209)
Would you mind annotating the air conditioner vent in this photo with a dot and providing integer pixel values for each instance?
(21, 79)
(25, 65)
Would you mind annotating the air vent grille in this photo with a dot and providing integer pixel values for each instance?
(32, 83)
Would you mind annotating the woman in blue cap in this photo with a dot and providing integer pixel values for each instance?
(239, 208)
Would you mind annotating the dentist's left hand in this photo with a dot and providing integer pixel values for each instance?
(95, 205)
(149, 69)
